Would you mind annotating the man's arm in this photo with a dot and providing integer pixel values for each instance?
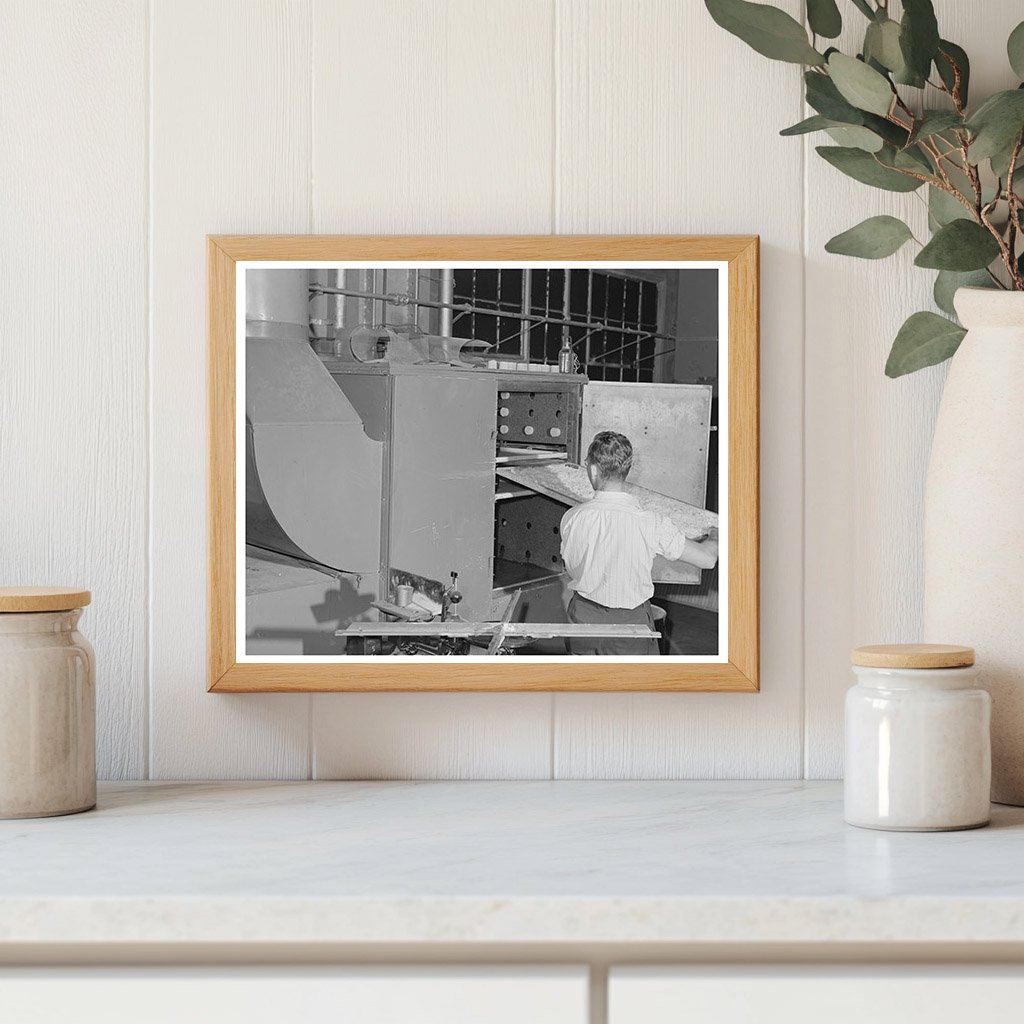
(674, 545)
(702, 553)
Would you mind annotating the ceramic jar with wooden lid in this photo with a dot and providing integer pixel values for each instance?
(47, 704)
(918, 750)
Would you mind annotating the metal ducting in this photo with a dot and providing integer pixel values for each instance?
(312, 474)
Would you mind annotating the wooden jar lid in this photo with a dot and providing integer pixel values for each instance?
(42, 599)
(913, 656)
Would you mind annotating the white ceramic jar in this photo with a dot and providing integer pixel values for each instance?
(47, 704)
(918, 750)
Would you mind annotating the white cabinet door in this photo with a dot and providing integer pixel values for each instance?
(815, 995)
(229, 995)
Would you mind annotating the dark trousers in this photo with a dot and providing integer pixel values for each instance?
(592, 613)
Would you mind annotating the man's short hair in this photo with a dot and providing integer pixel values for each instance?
(612, 454)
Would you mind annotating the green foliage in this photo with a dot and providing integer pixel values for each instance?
(1015, 50)
(817, 123)
(951, 56)
(934, 122)
(854, 136)
(948, 281)
(866, 168)
(766, 29)
(959, 245)
(851, 135)
(882, 45)
(872, 239)
(860, 85)
(997, 125)
(919, 39)
(962, 155)
(925, 339)
(824, 18)
(943, 208)
(825, 98)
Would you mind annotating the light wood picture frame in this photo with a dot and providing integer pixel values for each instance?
(737, 670)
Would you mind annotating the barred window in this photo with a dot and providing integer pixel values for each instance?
(610, 318)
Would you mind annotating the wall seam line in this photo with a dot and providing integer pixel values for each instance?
(556, 216)
(804, 226)
(147, 688)
(556, 140)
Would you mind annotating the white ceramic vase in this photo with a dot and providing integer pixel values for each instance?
(974, 518)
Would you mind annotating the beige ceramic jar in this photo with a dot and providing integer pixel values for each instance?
(47, 704)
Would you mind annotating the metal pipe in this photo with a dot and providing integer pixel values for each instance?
(566, 336)
(462, 307)
(621, 347)
(445, 305)
(524, 341)
(590, 300)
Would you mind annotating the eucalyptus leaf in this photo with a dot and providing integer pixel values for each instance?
(944, 208)
(962, 183)
(948, 281)
(926, 339)
(824, 18)
(934, 122)
(872, 239)
(825, 98)
(817, 123)
(911, 159)
(959, 245)
(864, 7)
(996, 125)
(1001, 162)
(864, 167)
(860, 85)
(951, 55)
(1015, 50)
(892, 133)
(882, 44)
(856, 137)
(919, 36)
(766, 29)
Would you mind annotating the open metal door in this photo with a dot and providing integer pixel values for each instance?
(669, 426)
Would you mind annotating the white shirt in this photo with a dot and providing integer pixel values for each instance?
(609, 544)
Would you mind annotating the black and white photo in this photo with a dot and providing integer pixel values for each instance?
(478, 460)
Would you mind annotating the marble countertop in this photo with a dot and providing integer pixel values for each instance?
(500, 862)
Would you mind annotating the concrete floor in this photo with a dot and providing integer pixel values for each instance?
(690, 630)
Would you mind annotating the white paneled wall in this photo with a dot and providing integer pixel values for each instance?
(133, 129)
(74, 353)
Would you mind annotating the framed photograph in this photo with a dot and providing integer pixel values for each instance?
(483, 463)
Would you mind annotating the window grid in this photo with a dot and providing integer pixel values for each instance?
(615, 306)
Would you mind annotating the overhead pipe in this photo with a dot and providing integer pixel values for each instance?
(500, 311)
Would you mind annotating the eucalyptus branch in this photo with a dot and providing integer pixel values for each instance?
(965, 237)
(955, 93)
(1014, 207)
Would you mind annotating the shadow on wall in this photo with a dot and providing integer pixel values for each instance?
(304, 616)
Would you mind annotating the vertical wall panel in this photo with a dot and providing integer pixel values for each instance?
(73, 301)
(432, 117)
(868, 437)
(413, 115)
(667, 124)
(230, 153)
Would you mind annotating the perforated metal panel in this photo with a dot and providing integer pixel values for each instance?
(526, 530)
